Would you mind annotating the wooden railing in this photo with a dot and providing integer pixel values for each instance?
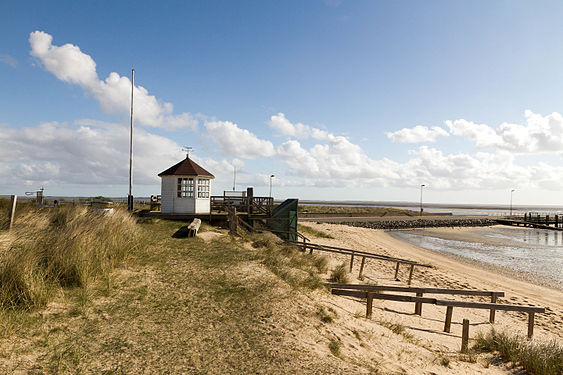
(371, 292)
(364, 254)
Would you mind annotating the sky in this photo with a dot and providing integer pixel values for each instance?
(338, 99)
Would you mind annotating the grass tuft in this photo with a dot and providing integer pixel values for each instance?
(539, 358)
(340, 274)
(335, 347)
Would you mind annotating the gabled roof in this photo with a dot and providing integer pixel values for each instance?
(186, 167)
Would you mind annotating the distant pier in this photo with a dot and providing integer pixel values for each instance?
(531, 220)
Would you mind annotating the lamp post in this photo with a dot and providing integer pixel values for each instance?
(271, 178)
(511, 191)
(421, 186)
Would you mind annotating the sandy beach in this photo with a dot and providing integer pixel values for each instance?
(447, 272)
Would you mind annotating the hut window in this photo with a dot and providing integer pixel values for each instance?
(203, 188)
(185, 188)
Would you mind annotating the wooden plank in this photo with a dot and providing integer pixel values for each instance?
(488, 306)
(530, 324)
(448, 322)
(440, 302)
(464, 292)
(465, 336)
(12, 212)
(388, 297)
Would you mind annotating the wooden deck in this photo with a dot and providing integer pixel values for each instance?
(529, 224)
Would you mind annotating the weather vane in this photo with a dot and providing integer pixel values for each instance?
(187, 150)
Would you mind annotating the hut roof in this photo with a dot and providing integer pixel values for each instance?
(186, 167)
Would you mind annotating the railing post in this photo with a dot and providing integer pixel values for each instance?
(465, 336)
(410, 274)
(369, 304)
(492, 313)
(418, 305)
(13, 200)
(351, 262)
(397, 272)
(530, 325)
(361, 274)
(448, 323)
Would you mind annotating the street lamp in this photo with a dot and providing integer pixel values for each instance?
(421, 186)
(130, 196)
(511, 191)
(271, 178)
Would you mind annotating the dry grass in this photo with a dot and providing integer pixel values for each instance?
(340, 274)
(64, 247)
(539, 358)
(312, 231)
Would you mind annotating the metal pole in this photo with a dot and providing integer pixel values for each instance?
(271, 178)
(130, 196)
(511, 191)
(421, 186)
(234, 177)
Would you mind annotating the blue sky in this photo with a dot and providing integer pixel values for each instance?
(347, 100)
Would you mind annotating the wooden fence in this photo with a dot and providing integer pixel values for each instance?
(371, 292)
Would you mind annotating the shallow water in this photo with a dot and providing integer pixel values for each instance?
(535, 252)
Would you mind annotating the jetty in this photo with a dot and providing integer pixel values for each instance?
(531, 220)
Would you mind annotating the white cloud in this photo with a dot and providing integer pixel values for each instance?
(7, 59)
(283, 126)
(59, 154)
(540, 134)
(69, 64)
(237, 142)
(417, 134)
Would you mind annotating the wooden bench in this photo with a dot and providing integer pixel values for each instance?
(194, 227)
(371, 292)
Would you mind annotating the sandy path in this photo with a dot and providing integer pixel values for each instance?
(446, 273)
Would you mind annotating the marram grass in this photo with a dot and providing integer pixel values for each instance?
(67, 246)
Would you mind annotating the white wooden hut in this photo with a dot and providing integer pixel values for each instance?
(186, 189)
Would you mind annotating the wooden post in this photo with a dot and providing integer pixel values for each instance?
(233, 220)
(369, 304)
(418, 305)
(530, 324)
(492, 313)
(410, 274)
(397, 272)
(13, 200)
(465, 336)
(361, 274)
(351, 261)
(448, 323)
(546, 219)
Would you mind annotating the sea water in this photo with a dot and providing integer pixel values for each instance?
(535, 252)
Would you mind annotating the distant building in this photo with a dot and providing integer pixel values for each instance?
(186, 189)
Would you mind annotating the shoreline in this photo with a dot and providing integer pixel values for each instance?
(506, 271)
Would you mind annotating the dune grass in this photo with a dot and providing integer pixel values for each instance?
(313, 232)
(64, 247)
(340, 274)
(539, 358)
